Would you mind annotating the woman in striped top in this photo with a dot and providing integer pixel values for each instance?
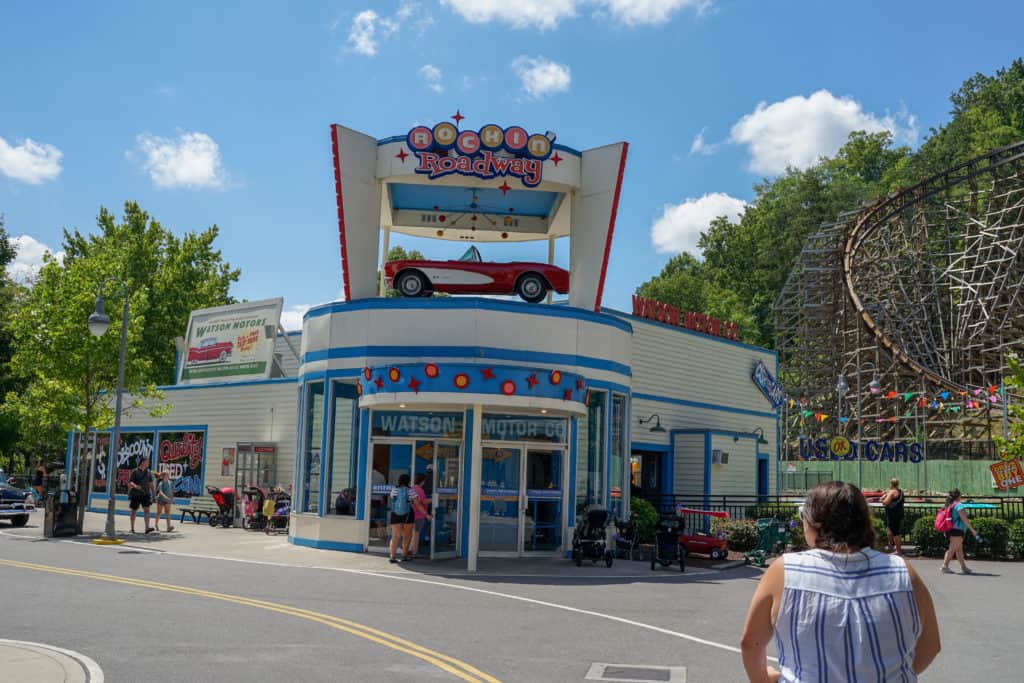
(840, 611)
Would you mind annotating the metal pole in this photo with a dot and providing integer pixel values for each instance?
(924, 439)
(110, 532)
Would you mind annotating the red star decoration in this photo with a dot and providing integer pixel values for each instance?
(488, 373)
(532, 380)
(379, 382)
(414, 384)
(402, 154)
(504, 187)
(555, 159)
(458, 117)
(579, 384)
(567, 395)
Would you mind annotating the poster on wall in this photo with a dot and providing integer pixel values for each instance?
(181, 454)
(1007, 474)
(230, 342)
(132, 448)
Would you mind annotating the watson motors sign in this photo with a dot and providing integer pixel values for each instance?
(698, 322)
(490, 152)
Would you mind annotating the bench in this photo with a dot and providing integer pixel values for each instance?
(197, 507)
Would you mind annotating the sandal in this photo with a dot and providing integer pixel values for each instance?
(150, 530)
(393, 560)
(170, 528)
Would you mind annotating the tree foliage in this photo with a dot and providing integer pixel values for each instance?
(399, 253)
(746, 263)
(1014, 445)
(64, 369)
(10, 294)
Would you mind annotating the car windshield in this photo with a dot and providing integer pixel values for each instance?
(472, 254)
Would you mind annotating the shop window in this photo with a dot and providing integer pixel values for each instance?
(313, 421)
(591, 450)
(181, 454)
(343, 447)
(619, 489)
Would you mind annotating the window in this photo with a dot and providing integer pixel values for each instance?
(619, 488)
(342, 450)
(313, 421)
(590, 461)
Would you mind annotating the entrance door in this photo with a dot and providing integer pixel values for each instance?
(444, 529)
(762, 477)
(543, 495)
(500, 507)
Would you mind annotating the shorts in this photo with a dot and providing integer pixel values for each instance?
(401, 519)
(135, 500)
(954, 532)
(419, 524)
(895, 524)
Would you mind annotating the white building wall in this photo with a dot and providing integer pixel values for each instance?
(688, 468)
(739, 476)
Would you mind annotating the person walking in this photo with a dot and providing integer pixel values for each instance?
(961, 525)
(402, 500)
(840, 611)
(892, 501)
(140, 493)
(164, 499)
(421, 513)
(39, 479)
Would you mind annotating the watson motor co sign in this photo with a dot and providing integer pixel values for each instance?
(671, 315)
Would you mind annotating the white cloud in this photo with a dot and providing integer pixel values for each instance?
(799, 130)
(637, 12)
(699, 146)
(192, 160)
(30, 162)
(541, 14)
(369, 29)
(29, 258)
(291, 317)
(432, 77)
(540, 76)
(680, 225)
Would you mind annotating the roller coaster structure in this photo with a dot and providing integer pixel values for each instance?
(915, 301)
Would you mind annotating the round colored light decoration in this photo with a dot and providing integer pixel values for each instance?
(508, 387)
(445, 135)
(430, 370)
(461, 380)
(556, 376)
(359, 388)
(840, 445)
(394, 374)
(367, 373)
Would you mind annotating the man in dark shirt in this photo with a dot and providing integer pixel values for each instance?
(140, 492)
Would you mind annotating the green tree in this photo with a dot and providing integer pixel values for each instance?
(398, 253)
(10, 295)
(65, 370)
(1015, 444)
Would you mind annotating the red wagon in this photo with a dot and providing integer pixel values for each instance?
(695, 533)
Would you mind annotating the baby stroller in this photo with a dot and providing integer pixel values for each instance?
(589, 537)
(667, 548)
(252, 509)
(627, 540)
(277, 510)
(225, 500)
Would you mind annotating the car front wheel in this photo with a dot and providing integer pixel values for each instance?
(531, 288)
(20, 520)
(410, 284)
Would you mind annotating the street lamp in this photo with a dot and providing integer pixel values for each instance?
(99, 321)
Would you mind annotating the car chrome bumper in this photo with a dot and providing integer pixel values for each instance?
(15, 509)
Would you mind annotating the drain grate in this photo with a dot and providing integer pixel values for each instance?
(636, 673)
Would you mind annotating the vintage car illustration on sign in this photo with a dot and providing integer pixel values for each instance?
(471, 275)
(210, 350)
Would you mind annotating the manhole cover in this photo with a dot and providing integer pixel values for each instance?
(636, 673)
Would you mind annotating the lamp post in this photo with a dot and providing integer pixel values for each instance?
(99, 321)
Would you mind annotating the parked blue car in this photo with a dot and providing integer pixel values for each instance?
(16, 505)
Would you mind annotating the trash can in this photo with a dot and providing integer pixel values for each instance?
(60, 516)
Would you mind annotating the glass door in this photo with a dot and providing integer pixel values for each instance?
(500, 521)
(390, 461)
(544, 495)
(444, 529)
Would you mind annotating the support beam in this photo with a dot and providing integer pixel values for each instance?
(476, 465)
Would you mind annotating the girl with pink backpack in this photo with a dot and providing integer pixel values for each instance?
(952, 521)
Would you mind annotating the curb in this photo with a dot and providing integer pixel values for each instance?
(23, 656)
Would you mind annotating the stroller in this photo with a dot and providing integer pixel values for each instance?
(252, 508)
(277, 510)
(627, 540)
(225, 500)
(667, 548)
(589, 538)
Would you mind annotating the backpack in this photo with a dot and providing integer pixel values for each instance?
(400, 501)
(944, 520)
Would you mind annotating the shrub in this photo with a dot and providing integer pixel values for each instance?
(995, 536)
(1015, 542)
(796, 535)
(881, 532)
(741, 534)
(645, 517)
(929, 542)
(910, 517)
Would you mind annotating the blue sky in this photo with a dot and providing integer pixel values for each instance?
(219, 112)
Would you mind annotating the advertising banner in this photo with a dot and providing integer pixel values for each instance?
(181, 453)
(230, 342)
(132, 449)
(1007, 475)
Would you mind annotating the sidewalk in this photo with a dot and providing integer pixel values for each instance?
(21, 661)
(189, 538)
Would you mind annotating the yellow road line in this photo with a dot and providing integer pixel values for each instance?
(451, 665)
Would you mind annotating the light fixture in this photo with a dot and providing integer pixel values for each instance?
(99, 321)
(874, 385)
(401, 405)
(543, 411)
(759, 433)
(657, 428)
(841, 386)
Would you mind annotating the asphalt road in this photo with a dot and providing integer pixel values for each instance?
(201, 622)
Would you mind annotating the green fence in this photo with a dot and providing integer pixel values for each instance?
(972, 477)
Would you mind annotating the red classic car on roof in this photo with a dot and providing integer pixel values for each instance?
(471, 275)
(210, 350)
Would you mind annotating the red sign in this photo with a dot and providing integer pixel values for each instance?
(698, 322)
(1008, 475)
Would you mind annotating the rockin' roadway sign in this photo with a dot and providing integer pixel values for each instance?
(490, 152)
